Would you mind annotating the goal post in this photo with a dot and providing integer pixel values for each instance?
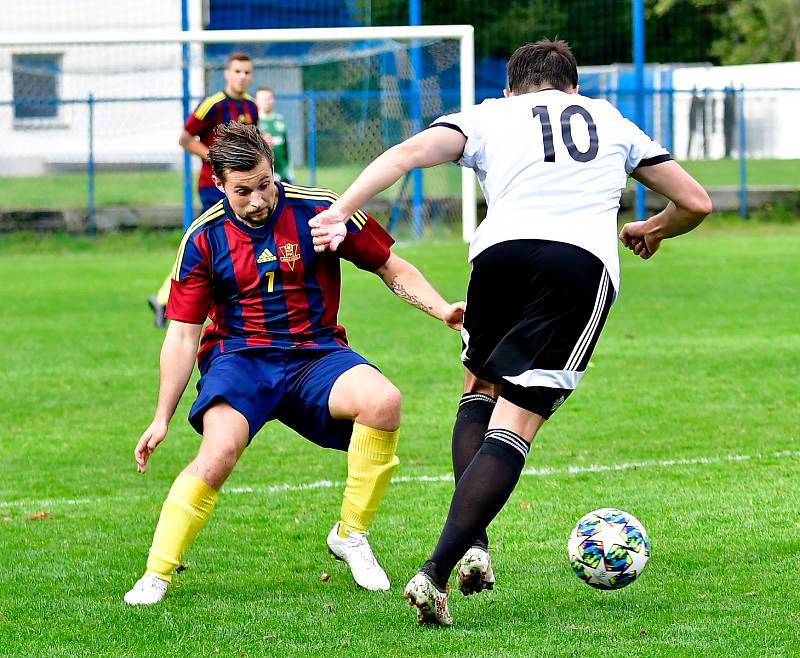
(366, 92)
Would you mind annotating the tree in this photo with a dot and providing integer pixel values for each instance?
(750, 31)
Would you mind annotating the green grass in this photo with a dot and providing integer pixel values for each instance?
(695, 379)
(165, 188)
(725, 173)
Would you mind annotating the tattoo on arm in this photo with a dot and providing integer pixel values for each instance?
(403, 294)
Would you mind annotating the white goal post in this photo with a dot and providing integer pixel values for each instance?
(36, 41)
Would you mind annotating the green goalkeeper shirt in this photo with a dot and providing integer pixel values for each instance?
(275, 125)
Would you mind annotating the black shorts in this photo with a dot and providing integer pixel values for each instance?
(535, 309)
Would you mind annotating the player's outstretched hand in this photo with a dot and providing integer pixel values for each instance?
(454, 317)
(148, 442)
(328, 229)
(635, 237)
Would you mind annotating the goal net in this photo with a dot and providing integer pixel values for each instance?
(115, 102)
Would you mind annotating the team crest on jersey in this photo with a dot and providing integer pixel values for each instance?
(290, 253)
(266, 257)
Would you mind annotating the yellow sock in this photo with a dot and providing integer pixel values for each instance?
(370, 464)
(162, 296)
(184, 513)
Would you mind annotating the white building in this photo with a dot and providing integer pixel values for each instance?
(41, 138)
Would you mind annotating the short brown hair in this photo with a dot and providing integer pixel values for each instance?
(238, 147)
(265, 88)
(238, 56)
(542, 63)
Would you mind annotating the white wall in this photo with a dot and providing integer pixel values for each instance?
(770, 109)
(124, 131)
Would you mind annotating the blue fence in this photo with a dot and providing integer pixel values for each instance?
(320, 144)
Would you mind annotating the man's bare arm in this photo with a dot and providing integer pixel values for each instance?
(193, 145)
(178, 354)
(426, 149)
(688, 206)
(407, 282)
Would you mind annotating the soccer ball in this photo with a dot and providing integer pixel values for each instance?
(608, 549)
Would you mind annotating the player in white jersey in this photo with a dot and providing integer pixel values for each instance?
(552, 165)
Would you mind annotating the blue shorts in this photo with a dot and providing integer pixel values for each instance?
(208, 197)
(292, 386)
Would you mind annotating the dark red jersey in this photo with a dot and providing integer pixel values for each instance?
(213, 111)
(267, 287)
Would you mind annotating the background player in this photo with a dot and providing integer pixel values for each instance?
(273, 126)
(273, 350)
(552, 165)
(231, 104)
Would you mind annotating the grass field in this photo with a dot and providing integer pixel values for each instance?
(165, 188)
(687, 418)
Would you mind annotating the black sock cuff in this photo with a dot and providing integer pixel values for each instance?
(476, 398)
(430, 570)
(506, 445)
(476, 407)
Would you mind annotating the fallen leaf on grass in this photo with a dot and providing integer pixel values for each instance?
(40, 516)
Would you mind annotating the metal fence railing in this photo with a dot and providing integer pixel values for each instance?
(733, 139)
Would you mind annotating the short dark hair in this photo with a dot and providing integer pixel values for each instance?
(238, 147)
(238, 56)
(542, 63)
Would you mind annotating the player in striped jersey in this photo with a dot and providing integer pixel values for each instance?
(552, 165)
(231, 104)
(273, 349)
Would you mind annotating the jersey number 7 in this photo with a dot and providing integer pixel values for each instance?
(575, 153)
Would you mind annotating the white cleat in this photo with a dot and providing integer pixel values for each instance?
(355, 550)
(474, 572)
(148, 590)
(431, 603)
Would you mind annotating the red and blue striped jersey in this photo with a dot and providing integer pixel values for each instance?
(266, 286)
(213, 111)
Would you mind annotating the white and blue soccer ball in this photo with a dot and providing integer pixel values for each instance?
(608, 549)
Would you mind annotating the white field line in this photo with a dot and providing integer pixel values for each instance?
(331, 484)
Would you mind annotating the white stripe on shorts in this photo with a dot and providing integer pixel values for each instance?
(465, 338)
(547, 378)
(589, 331)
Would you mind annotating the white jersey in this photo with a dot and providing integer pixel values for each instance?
(552, 166)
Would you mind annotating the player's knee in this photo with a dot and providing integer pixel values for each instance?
(473, 384)
(223, 451)
(383, 413)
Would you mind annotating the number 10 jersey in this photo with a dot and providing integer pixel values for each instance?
(552, 166)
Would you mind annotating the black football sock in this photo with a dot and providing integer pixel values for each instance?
(474, 412)
(483, 489)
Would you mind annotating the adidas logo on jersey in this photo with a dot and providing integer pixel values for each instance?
(266, 257)
(557, 404)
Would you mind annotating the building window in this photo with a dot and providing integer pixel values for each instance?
(36, 84)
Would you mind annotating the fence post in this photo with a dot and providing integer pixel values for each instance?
(312, 139)
(415, 18)
(90, 225)
(743, 210)
(637, 17)
(188, 211)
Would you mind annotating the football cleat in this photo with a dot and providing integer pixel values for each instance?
(356, 552)
(148, 590)
(430, 601)
(474, 572)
